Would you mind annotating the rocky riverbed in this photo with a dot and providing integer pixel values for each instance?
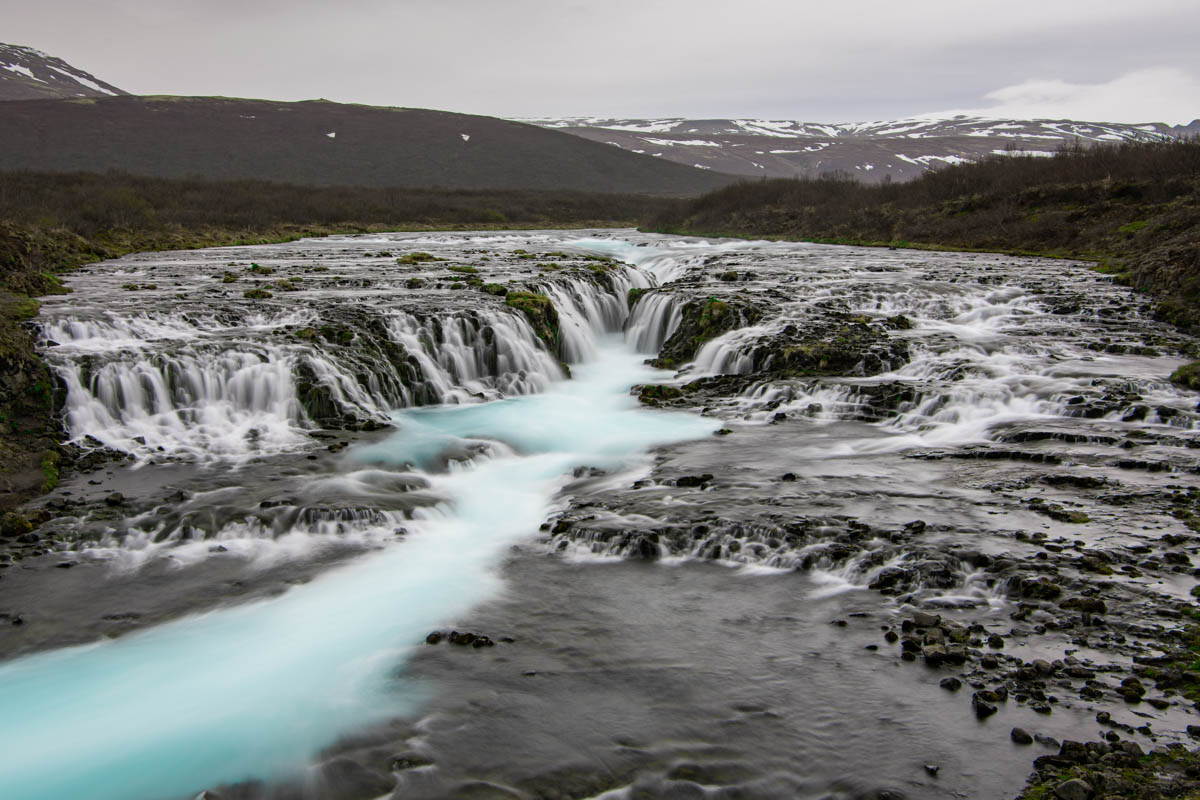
(886, 523)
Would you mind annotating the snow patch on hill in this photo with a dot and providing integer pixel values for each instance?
(897, 148)
(29, 74)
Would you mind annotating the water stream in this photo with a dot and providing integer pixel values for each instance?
(310, 484)
(252, 691)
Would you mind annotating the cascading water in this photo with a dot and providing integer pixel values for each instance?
(201, 700)
(193, 389)
(253, 691)
(862, 485)
(657, 316)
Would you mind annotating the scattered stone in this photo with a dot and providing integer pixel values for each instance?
(983, 709)
(1074, 789)
(1132, 690)
(404, 761)
(694, 480)
(463, 639)
(13, 525)
(924, 620)
(1021, 736)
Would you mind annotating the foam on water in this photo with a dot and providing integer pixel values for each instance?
(668, 259)
(254, 691)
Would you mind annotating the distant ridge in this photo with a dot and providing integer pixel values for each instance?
(902, 149)
(28, 74)
(323, 143)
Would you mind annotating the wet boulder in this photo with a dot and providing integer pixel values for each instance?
(704, 320)
(983, 709)
(1074, 789)
(13, 525)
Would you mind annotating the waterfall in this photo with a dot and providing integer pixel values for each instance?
(655, 316)
(160, 386)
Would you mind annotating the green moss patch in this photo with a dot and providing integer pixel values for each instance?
(540, 312)
(1188, 375)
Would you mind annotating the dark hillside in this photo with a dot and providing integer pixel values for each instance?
(29, 74)
(1135, 207)
(323, 144)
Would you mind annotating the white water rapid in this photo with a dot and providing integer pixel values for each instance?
(254, 691)
(271, 497)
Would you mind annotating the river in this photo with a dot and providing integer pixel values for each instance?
(281, 496)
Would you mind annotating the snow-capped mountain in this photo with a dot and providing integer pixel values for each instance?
(901, 148)
(28, 74)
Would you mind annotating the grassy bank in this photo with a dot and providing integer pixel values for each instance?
(51, 223)
(1134, 208)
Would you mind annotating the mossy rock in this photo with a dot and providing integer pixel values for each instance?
(653, 394)
(540, 312)
(257, 294)
(463, 270)
(704, 320)
(1188, 376)
(13, 525)
(495, 289)
(50, 470)
(417, 258)
(338, 334)
(634, 295)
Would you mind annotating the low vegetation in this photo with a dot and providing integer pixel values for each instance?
(318, 143)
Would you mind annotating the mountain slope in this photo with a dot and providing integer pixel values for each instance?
(322, 143)
(1133, 205)
(28, 74)
(902, 149)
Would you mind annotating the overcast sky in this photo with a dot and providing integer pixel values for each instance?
(824, 61)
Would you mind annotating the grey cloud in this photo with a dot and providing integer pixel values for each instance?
(773, 58)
